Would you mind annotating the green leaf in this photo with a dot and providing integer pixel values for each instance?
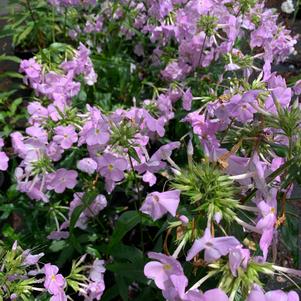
(82, 95)
(7, 209)
(9, 233)
(146, 294)
(93, 252)
(133, 154)
(59, 46)
(110, 293)
(11, 74)
(25, 33)
(14, 105)
(127, 221)
(57, 245)
(130, 271)
(66, 255)
(10, 58)
(87, 200)
(122, 287)
(131, 253)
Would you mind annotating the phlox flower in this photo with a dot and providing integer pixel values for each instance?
(62, 179)
(97, 270)
(65, 136)
(3, 161)
(111, 167)
(157, 204)
(155, 163)
(95, 285)
(215, 247)
(187, 100)
(95, 134)
(258, 295)
(32, 70)
(54, 282)
(162, 269)
(87, 165)
(238, 257)
(168, 276)
(29, 259)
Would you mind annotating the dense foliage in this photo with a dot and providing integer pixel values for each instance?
(158, 152)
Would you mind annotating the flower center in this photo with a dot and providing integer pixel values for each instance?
(52, 277)
(167, 267)
(110, 167)
(155, 198)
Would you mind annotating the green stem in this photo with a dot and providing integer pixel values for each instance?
(65, 24)
(31, 12)
(290, 147)
(139, 200)
(296, 10)
(202, 50)
(135, 178)
(53, 26)
(201, 281)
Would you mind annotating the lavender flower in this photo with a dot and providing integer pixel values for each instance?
(54, 282)
(214, 247)
(162, 269)
(65, 136)
(3, 157)
(112, 169)
(258, 295)
(87, 165)
(157, 204)
(29, 259)
(62, 179)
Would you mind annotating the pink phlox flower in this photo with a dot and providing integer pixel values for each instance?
(158, 204)
(54, 282)
(215, 247)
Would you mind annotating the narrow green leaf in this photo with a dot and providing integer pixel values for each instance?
(25, 33)
(133, 154)
(122, 287)
(11, 58)
(127, 221)
(11, 74)
(111, 293)
(87, 200)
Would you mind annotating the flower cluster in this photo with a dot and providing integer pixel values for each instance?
(168, 276)
(24, 273)
(60, 86)
(209, 31)
(209, 138)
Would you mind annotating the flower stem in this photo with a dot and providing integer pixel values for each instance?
(248, 208)
(201, 281)
(179, 248)
(247, 226)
